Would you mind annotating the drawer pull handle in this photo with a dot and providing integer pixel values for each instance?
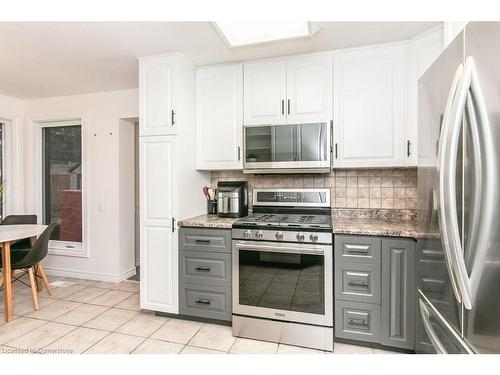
(356, 283)
(202, 241)
(357, 322)
(353, 249)
(203, 269)
(203, 301)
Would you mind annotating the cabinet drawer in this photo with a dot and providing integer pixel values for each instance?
(357, 282)
(206, 302)
(205, 268)
(199, 239)
(357, 321)
(359, 249)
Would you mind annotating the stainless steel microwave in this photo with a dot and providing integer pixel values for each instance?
(297, 148)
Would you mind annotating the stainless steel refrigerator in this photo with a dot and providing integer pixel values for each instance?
(458, 252)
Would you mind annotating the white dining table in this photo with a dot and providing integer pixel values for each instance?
(10, 234)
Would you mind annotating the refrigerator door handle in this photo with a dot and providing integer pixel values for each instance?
(443, 141)
(436, 343)
(470, 89)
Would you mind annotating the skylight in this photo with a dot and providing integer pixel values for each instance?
(241, 33)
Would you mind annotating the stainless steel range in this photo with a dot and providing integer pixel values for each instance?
(282, 268)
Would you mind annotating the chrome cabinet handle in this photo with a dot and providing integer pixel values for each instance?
(408, 145)
(282, 106)
(201, 241)
(279, 249)
(358, 322)
(336, 148)
(357, 283)
(202, 301)
(357, 249)
(203, 269)
(239, 153)
(173, 117)
(288, 106)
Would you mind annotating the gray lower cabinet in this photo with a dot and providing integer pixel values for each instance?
(375, 290)
(205, 273)
(398, 293)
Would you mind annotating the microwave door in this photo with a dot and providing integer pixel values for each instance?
(283, 149)
(311, 142)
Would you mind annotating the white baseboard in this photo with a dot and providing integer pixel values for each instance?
(89, 275)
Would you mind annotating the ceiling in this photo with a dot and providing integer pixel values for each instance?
(43, 59)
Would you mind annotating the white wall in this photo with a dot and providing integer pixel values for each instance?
(100, 114)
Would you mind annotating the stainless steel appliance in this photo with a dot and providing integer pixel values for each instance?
(458, 259)
(282, 268)
(232, 198)
(299, 148)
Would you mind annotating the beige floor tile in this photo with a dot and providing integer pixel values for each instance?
(151, 346)
(84, 282)
(110, 320)
(60, 292)
(54, 310)
(195, 350)
(105, 285)
(116, 343)
(110, 298)
(85, 295)
(75, 342)
(41, 336)
(213, 336)
(291, 349)
(143, 325)
(131, 303)
(82, 314)
(18, 327)
(23, 304)
(341, 348)
(127, 286)
(248, 346)
(179, 331)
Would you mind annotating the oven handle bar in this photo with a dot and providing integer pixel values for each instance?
(280, 249)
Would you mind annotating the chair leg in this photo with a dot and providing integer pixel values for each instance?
(44, 278)
(1, 279)
(12, 275)
(39, 285)
(34, 293)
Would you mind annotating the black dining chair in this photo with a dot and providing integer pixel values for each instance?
(30, 263)
(24, 244)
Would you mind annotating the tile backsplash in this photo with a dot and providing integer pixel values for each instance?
(392, 188)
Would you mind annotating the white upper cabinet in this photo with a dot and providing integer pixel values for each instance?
(309, 89)
(264, 92)
(288, 91)
(422, 52)
(155, 106)
(219, 117)
(369, 104)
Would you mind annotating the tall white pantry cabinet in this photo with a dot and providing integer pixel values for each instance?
(170, 186)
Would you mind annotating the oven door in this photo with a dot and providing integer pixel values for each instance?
(289, 282)
(288, 148)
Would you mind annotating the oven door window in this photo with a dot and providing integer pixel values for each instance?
(284, 281)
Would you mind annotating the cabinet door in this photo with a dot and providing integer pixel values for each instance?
(219, 117)
(264, 92)
(369, 101)
(155, 98)
(309, 89)
(159, 254)
(398, 293)
(422, 52)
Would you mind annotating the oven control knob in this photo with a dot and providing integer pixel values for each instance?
(300, 237)
(259, 235)
(313, 237)
(247, 234)
(279, 235)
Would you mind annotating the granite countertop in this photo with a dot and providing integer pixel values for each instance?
(359, 226)
(375, 227)
(208, 221)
